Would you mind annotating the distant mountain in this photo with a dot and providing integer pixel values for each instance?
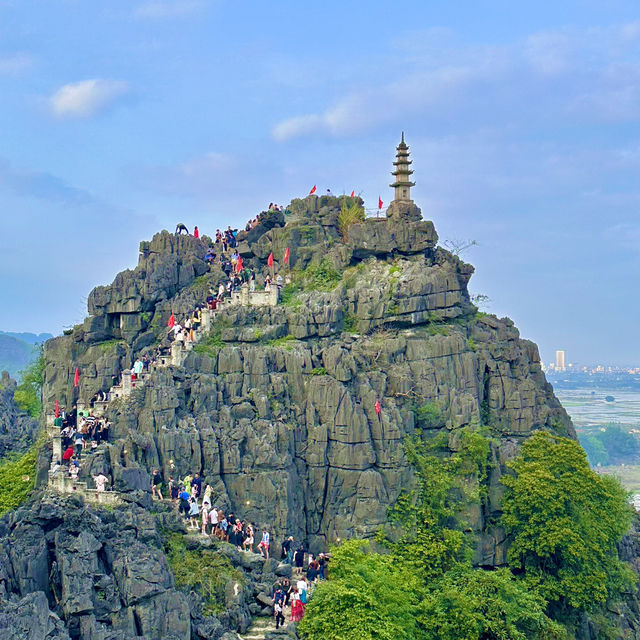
(29, 338)
(18, 349)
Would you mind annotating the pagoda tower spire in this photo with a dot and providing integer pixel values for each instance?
(402, 173)
(402, 206)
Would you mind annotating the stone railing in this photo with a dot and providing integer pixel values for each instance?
(62, 483)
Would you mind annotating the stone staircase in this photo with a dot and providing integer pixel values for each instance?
(259, 628)
(178, 352)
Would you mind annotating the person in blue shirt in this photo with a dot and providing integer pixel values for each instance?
(184, 507)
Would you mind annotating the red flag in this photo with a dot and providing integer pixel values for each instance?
(378, 407)
(286, 255)
(353, 193)
(76, 377)
(239, 264)
(172, 321)
(380, 203)
(57, 409)
(312, 190)
(196, 233)
(270, 259)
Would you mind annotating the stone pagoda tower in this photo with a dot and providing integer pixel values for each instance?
(402, 205)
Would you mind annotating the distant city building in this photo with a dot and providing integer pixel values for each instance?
(560, 361)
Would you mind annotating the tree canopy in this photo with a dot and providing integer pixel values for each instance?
(566, 522)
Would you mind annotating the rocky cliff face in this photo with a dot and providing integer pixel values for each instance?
(17, 428)
(278, 411)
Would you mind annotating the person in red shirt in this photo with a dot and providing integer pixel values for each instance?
(196, 233)
(67, 455)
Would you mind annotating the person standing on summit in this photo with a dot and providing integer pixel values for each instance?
(180, 228)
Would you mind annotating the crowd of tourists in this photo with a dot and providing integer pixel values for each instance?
(200, 513)
(81, 433)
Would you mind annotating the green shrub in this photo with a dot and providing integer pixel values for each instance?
(394, 269)
(350, 214)
(437, 328)
(349, 323)
(107, 345)
(428, 416)
(205, 571)
(320, 277)
(289, 295)
(318, 371)
(28, 395)
(211, 344)
(18, 476)
(285, 341)
(472, 345)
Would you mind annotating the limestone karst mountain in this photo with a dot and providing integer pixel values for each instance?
(295, 414)
(278, 411)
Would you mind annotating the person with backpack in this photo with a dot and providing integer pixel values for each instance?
(184, 507)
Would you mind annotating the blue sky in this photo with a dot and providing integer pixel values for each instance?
(121, 118)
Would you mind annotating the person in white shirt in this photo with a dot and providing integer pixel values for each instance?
(100, 480)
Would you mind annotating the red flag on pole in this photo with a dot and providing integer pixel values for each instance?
(353, 193)
(57, 410)
(172, 321)
(239, 264)
(76, 377)
(378, 407)
(380, 203)
(312, 190)
(270, 259)
(286, 255)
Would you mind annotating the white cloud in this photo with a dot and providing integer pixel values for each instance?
(546, 74)
(15, 63)
(168, 9)
(86, 98)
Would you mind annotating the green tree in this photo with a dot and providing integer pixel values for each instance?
(18, 476)
(28, 395)
(473, 604)
(427, 523)
(595, 450)
(370, 596)
(619, 443)
(566, 522)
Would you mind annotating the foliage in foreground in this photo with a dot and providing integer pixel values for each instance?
(419, 583)
(18, 477)
(204, 571)
(566, 522)
(28, 394)
(350, 213)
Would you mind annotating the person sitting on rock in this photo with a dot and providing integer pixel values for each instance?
(156, 484)
(74, 468)
(180, 228)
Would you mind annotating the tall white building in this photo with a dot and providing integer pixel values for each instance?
(560, 361)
